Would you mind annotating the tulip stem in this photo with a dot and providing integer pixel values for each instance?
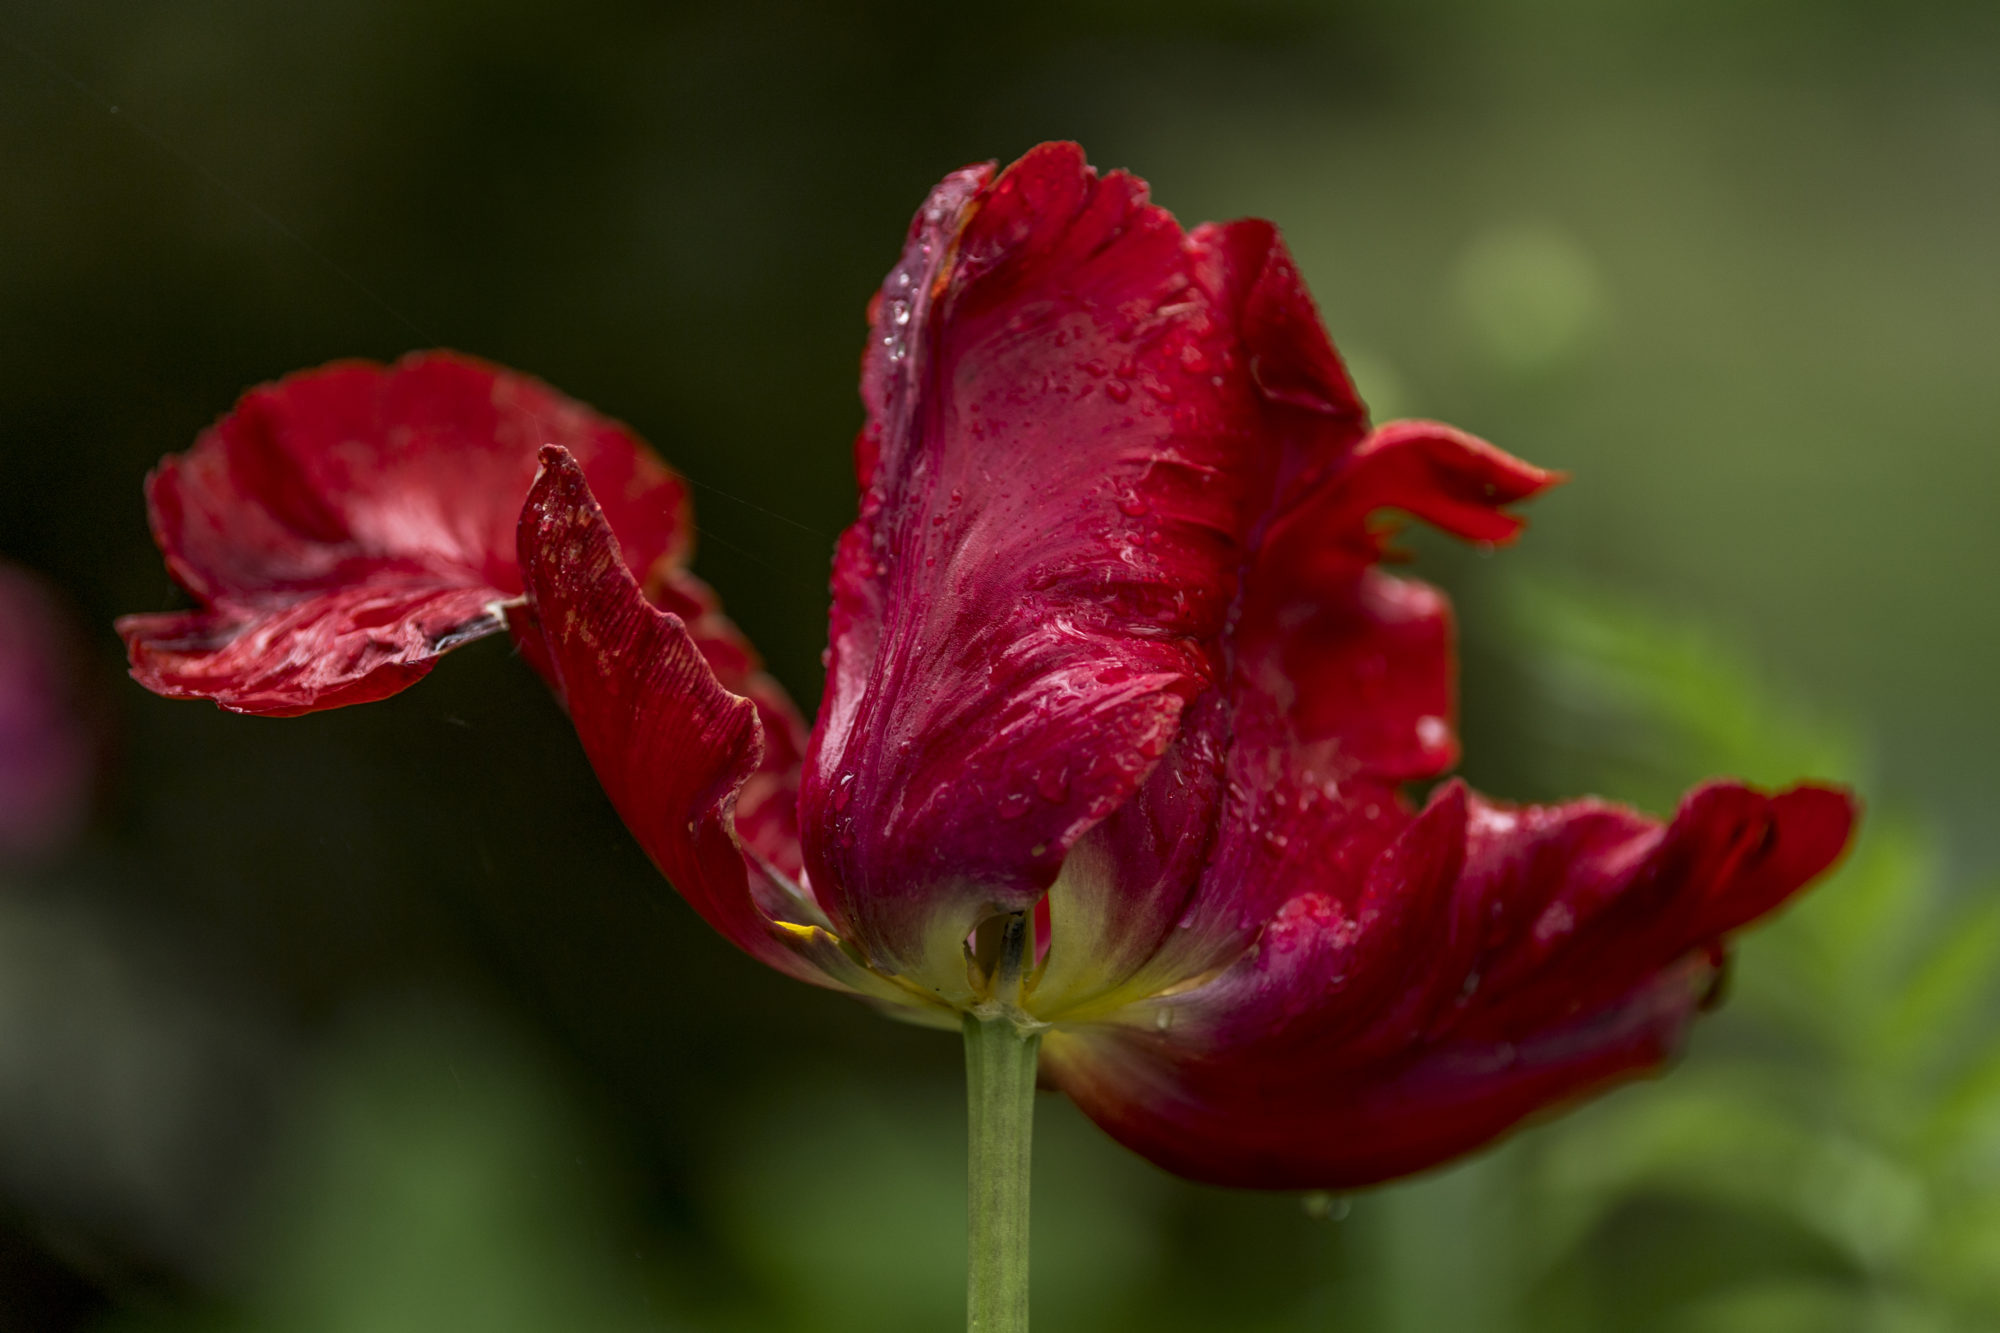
(1000, 1104)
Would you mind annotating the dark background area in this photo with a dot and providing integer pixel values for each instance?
(1732, 265)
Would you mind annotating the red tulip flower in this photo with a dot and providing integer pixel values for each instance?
(1121, 713)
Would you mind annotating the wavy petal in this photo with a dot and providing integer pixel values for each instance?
(1066, 452)
(343, 527)
(673, 747)
(1340, 688)
(767, 809)
(1343, 681)
(1496, 963)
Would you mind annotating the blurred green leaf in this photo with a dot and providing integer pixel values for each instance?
(1636, 705)
(437, 1182)
(1947, 996)
(1851, 1092)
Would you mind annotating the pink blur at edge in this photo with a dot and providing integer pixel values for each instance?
(48, 754)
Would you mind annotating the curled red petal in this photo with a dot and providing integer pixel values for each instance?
(1496, 963)
(767, 809)
(1571, 901)
(1264, 1126)
(1340, 687)
(343, 527)
(1342, 683)
(1331, 653)
(673, 747)
(328, 648)
(1066, 452)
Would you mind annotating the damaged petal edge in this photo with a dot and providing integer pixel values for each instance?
(491, 620)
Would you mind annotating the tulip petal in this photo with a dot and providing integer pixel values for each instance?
(333, 647)
(1066, 451)
(1496, 962)
(1576, 899)
(1343, 684)
(767, 808)
(1340, 688)
(343, 527)
(673, 747)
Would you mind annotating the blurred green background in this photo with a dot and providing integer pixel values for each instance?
(378, 1021)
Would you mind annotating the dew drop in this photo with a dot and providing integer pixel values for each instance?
(1117, 391)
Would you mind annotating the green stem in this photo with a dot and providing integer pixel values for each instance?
(1000, 1104)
